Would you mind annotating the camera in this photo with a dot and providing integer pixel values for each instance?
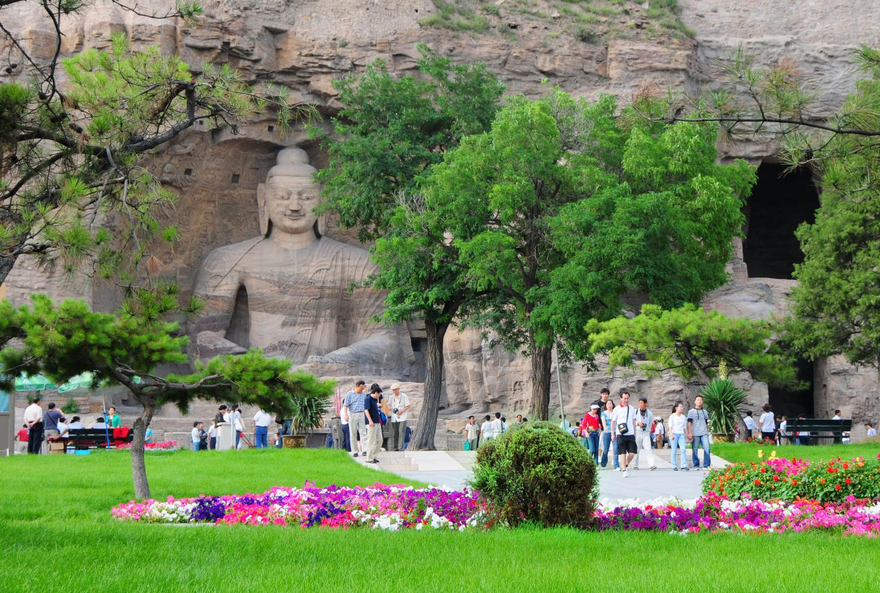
(394, 411)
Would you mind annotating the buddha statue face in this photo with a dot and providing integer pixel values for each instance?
(289, 203)
(288, 198)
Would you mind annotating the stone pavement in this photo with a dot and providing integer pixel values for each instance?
(452, 469)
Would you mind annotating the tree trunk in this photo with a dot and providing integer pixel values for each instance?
(423, 439)
(6, 264)
(138, 468)
(539, 407)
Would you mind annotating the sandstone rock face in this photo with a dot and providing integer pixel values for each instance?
(306, 45)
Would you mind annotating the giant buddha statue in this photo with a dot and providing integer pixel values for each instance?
(289, 291)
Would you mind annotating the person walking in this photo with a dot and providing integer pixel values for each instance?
(373, 417)
(262, 420)
(623, 421)
(353, 406)
(751, 426)
(591, 427)
(698, 433)
(486, 433)
(604, 398)
(399, 407)
(677, 436)
(607, 428)
(498, 426)
(768, 424)
(644, 422)
(472, 433)
(659, 433)
(33, 418)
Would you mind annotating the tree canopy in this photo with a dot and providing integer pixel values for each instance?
(565, 207)
(836, 304)
(692, 343)
(391, 133)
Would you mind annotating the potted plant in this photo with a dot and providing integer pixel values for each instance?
(722, 399)
(305, 415)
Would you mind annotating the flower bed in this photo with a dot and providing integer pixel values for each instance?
(160, 446)
(713, 513)
(793, 479)
(378, 507)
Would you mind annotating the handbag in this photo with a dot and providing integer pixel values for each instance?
(623, 427)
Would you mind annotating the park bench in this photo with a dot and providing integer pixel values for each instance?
(817, 428)
(93, 438)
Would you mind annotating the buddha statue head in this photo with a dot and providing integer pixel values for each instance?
(287, 200)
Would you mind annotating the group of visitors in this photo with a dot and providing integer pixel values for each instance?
(365, 412)
(491, 427)
(53, 426)
(629, 433)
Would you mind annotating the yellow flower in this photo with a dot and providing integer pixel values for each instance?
(773, 454)
(760, 454)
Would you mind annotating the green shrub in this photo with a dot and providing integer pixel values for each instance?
(70, 407)
(537, 473)
(585, 35)
(722, 400)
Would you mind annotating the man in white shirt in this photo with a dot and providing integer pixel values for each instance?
(399, 403)
(644, 421)
(623, 422)
(497, 426)
(751, 425)
(262, 420)
(472, 433)
(837, 440)
(486, 434)
(871, 432)
(33, 417)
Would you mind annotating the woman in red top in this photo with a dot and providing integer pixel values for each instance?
(591, 426)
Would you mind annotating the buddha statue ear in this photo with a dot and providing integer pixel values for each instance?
(321, 225)
(263, 210)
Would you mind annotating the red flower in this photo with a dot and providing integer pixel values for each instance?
(794, 482)
(837, 486)
(848, 481)
(775, 478)
(845, 466)
(757, 482)
(822, 480)
(763, 470)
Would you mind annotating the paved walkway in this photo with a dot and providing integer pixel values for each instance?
(452, 469)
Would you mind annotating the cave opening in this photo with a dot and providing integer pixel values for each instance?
(791, 402)
(780, 202)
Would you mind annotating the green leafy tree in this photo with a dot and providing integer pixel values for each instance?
(693, 344)
(389, 136)
(564, 208)
(61, 341)
(68, 155)
(836, 303)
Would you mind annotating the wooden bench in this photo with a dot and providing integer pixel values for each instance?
(93, 438)
(817, 428)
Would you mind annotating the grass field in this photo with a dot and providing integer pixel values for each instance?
(57, 535)
(736, 452)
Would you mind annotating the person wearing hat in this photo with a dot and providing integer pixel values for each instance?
(373, 416)
(399, 406)
(590, 428)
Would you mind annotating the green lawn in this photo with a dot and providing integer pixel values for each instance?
(746, 452)
(55, 527)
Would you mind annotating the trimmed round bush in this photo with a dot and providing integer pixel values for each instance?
(537, 473)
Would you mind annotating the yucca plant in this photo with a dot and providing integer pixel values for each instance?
(722, 399)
